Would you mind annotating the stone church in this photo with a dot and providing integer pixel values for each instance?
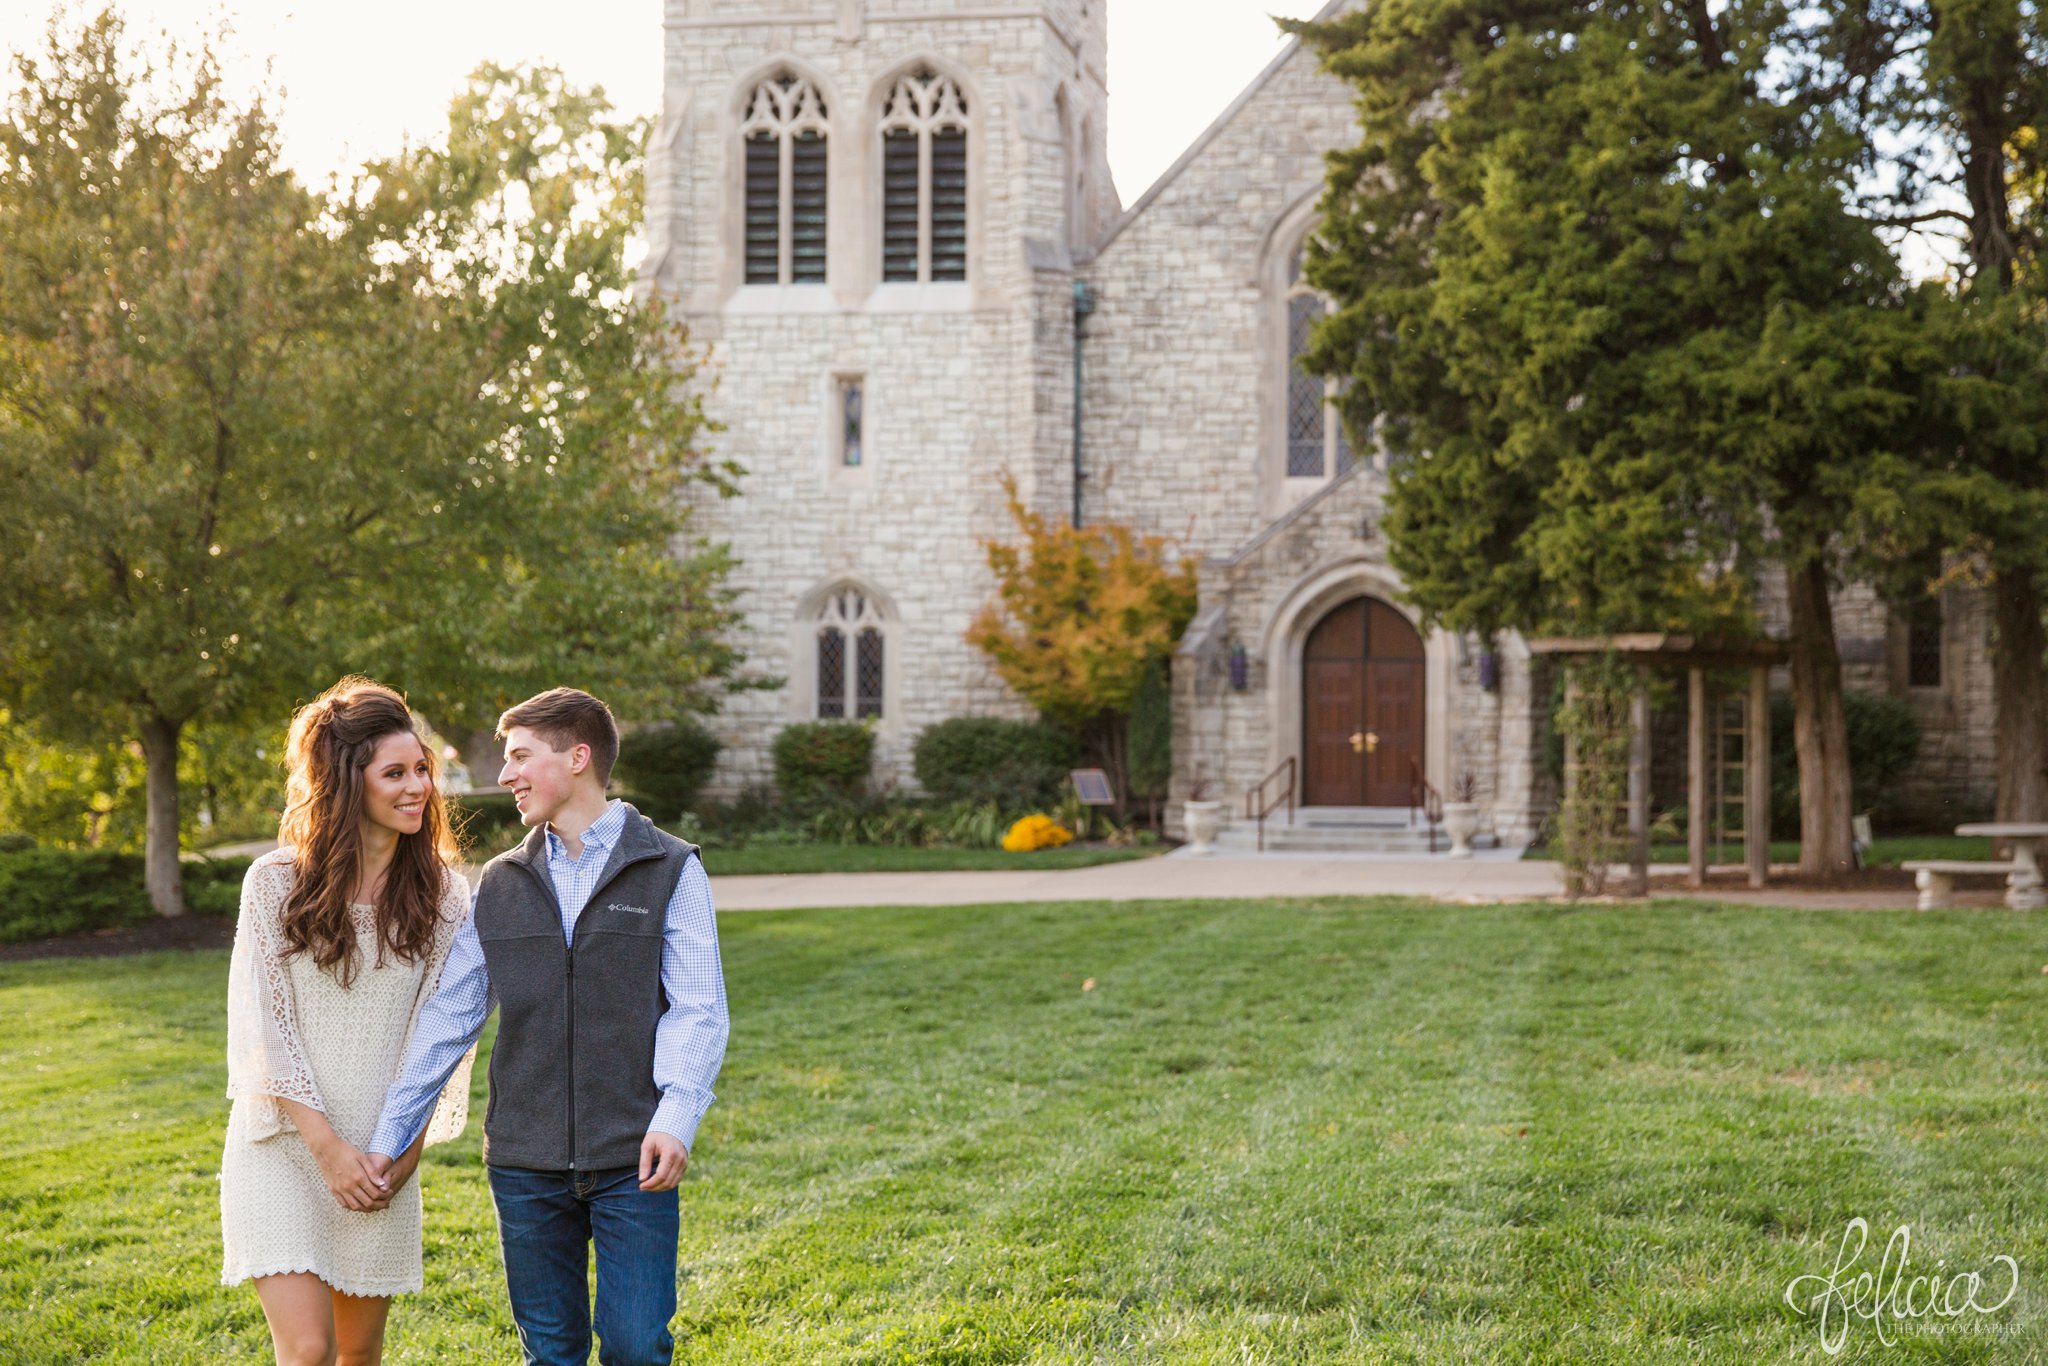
(893, 224)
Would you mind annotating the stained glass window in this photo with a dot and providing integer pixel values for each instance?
(1306, 393)
(831, 673)
(868, 671)
(848, 623)
(850, 427)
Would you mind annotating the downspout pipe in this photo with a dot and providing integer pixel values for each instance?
(1084, 304)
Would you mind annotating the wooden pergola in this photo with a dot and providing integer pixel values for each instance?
(1695, 655)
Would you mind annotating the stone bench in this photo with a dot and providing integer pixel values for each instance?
(1936, 878)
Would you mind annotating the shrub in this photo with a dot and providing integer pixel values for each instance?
(1884, 740)
(823, 761)
(662, 769)
(909, 824)
(987, 758)
(13, 842)
(67, 891)
(1036, 831)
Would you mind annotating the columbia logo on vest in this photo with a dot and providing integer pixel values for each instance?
(629, 910)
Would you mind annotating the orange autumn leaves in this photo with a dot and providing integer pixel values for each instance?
(1080, 612)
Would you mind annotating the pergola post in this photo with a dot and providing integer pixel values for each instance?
(1696, 775)
(1639, 787)
(1756, 781)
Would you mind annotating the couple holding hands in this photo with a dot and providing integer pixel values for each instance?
(362, 974)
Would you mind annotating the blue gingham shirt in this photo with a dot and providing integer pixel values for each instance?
(689, 1039)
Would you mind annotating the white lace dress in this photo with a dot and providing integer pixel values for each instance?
(294, 1032)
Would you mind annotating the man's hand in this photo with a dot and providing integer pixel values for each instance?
(392, 1174)
(351, 1179)
(662, 1160)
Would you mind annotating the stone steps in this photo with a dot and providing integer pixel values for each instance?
(1333, 834)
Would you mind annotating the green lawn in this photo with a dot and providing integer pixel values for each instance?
(1327, 1131)
(1884, 852)
(872, 858)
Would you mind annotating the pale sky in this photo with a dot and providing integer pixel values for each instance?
(362, 76)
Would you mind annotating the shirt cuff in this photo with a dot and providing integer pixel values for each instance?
(680, 1112)
(388, 1140)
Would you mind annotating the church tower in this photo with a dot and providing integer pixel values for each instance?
(872, 212)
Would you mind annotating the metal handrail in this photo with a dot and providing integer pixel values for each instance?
(1425, 798)
(1257, 806)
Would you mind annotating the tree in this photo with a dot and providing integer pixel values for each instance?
(1606, 289)
(252, 437)
(1948, 99)
(1079, 615)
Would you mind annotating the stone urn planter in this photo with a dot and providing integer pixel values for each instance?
(1202, 820)
(1461, 823)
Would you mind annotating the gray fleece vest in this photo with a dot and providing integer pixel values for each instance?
(572, 1073)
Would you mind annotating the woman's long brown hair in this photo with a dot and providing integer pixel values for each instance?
(333, 738)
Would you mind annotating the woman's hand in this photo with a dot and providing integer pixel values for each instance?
(353, 1182)
(350, 1178)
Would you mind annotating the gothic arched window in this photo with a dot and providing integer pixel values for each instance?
(785, 132)
(850, 656)
(1316, 441)
(924, 179)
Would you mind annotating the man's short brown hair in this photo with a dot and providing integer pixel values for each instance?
(566, 718)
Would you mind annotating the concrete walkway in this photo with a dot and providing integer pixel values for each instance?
(1489, 876)
(1486, 877)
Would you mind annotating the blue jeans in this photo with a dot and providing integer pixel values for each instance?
(546, 1223)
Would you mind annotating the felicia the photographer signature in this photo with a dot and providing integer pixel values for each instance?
(1891, 1293)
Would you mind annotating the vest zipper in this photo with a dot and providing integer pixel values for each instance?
(572, 1056)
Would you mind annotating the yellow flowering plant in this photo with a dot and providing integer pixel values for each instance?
(1036, 831)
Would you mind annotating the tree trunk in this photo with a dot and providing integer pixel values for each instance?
(2021, 692)
(160, 847)
(1820, 730)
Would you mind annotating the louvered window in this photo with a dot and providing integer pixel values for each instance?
(851, 671)
(924, 180)
(786, 136)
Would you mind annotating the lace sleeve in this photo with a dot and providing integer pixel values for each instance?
(451, 1112)
(265, 1059)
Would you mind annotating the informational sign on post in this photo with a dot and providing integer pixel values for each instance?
(1091, 785)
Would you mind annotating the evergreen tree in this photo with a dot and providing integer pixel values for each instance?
(1605, 288)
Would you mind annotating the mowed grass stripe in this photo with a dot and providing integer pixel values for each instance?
(1272, 1132)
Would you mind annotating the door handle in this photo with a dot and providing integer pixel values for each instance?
(1364, 741)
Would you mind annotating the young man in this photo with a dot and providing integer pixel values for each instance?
(595, 938)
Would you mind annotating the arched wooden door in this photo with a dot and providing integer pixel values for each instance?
(1362, 675)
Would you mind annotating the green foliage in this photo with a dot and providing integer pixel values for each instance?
(89, 795)
(1152, 730)
(1017, 764)
(218, 489)
(663, 768)
(823, 761)
(1884, 740)
(1594, 719)
(67, 891)
(911, 824)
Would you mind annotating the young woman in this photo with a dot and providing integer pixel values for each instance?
(342, 935)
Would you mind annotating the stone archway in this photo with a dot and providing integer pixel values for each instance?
(1363, 706)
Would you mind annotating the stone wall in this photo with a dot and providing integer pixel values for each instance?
(962, 382)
